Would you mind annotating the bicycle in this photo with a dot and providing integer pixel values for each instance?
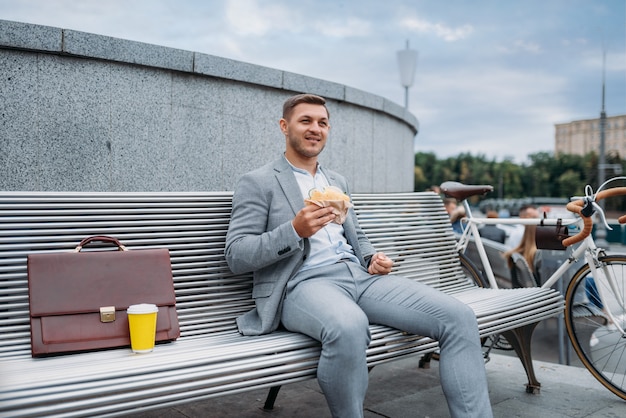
(595, 299)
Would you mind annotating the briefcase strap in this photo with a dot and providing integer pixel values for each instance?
(101, 238)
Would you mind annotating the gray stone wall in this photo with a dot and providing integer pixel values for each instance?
(84, 112)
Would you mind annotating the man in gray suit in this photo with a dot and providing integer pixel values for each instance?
(325, 280)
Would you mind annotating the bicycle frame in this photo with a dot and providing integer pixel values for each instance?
(587, 250)
(471, 229)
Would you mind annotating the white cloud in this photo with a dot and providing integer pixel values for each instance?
(248, 18)
(497, 112)
(528, 46)
(343, 29)
(438, 29)
(256, 19)
(615, 61)
(505, 88)
(520, 45)
(575, 42)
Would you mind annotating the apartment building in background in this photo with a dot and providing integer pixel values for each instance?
(583, 136)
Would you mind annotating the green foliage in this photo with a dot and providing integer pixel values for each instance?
(545, 175)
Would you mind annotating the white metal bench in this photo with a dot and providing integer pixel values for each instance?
(211, 358)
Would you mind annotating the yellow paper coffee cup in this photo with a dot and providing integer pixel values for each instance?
(142, 320)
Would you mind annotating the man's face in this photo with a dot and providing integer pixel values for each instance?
(306, 130)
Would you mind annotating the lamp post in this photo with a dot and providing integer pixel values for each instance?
(600, 228)
(407, 62)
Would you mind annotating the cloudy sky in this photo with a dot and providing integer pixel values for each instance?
(493, 76)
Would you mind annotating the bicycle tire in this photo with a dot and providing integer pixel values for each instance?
(472, 272)
(598, 344)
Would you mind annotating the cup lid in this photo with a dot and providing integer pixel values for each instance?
(142, 308)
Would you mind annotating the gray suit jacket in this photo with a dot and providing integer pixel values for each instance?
(261, 239)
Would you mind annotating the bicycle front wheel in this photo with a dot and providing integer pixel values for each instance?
(598, 343)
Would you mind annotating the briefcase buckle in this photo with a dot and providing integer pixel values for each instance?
(107, 314)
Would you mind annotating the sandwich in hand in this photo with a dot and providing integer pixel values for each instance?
(331, 196)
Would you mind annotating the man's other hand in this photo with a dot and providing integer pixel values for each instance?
(380, 264)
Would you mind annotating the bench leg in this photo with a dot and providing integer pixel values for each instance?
(273, 394)
(424, 362)
(271, 398)
(520, 339)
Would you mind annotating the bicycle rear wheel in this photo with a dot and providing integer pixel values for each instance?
(472, 272)
(475, 275)
(598, 343)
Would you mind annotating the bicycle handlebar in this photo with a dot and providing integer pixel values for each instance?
(577, 207)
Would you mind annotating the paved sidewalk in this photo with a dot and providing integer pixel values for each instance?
(400, 389)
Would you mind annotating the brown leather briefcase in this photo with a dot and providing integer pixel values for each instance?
(78, 299)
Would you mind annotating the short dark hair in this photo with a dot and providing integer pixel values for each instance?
(293, 101)
(492, 214)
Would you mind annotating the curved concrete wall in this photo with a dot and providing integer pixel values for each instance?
(83, 112)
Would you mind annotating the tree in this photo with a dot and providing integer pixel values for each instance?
(547, 175)
(568, 184)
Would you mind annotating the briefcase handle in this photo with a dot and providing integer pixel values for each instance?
(102, 238)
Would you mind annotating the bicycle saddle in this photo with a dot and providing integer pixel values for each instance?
(462, 191)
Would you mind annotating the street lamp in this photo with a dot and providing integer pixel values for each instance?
(600, 228)
(407, 62)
